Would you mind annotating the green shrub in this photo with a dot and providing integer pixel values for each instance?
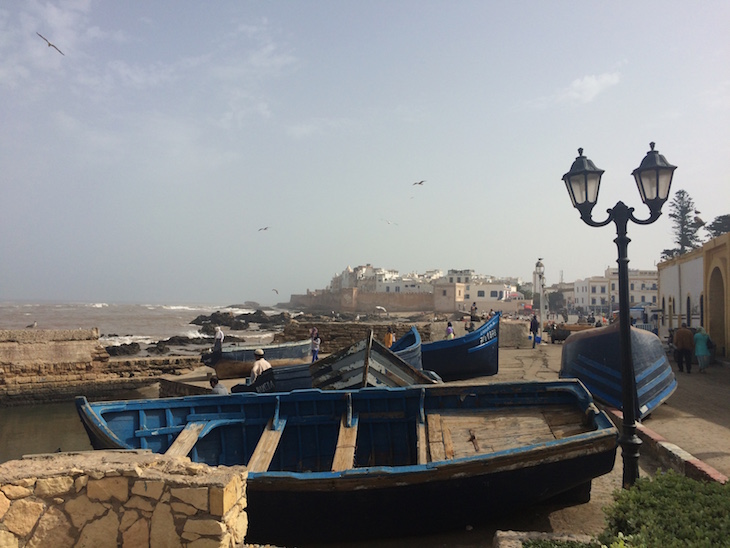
(669, 510)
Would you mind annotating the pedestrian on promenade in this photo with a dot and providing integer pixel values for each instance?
(702, 350)
(684, 344)
(534, 328)
(449, 331)
(316, 343)
(389, 337)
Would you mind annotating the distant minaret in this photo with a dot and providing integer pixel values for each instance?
(561, 276)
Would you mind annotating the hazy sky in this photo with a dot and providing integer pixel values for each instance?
(140, 165)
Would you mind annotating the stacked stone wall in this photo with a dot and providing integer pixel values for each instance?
(40, 365)
(338, 335)
(120, 498)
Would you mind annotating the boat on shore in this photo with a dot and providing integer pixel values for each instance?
(365, 363)
(381, 462)
(237, 361)
(476, 354)
(408, 348)
(594, 357)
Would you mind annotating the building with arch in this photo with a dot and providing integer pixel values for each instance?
(694, 289)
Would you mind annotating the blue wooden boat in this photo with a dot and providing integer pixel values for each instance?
(237, 361)
(408, 348)
(476, 354)
(365, 363)
(593, 356)
(325, 465)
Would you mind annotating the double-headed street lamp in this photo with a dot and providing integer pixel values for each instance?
(654, 179)
(538, 289)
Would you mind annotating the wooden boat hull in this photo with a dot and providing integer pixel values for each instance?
(237, 362)
(284, 378)
(593, 356)
(476, 354)
(365, 363)
(381, 461)
(408, 348)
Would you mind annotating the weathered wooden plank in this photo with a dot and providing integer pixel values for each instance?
(435, 437)
(422, 444)
(266, 447)
(346, 443)
(185, 440)
(448, 442)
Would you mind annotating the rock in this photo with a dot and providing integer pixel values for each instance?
(124, 349)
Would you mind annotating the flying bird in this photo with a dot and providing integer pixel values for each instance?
(50, 45)
(263, 228)
(275, 291)
(699, 222)
(390, 222)
(419, 183)
(31, 326)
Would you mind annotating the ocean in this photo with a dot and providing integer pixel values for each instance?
(117, 323)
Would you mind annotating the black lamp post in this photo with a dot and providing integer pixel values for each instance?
(653, 178)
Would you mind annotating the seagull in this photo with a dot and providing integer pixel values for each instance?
(275, 291)
(419, 183)
(263, 228)
(390, 222)
(50, 45)
(699, 222)
(31, 326)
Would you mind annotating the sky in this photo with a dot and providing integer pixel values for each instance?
(142, 164)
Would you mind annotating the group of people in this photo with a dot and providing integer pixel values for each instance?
(686, 344)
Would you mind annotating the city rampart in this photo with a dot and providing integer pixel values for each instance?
(120, 498)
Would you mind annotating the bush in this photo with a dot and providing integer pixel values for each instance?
(669, 510)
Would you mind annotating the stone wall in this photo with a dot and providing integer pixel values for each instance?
(338, 335)
(352, 300)
(120, 498)
(40, 365)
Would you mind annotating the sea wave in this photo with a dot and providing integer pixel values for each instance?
(98, 305)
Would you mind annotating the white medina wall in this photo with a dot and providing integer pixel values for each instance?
(678, 281)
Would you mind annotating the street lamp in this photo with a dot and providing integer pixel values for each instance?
(653, 179)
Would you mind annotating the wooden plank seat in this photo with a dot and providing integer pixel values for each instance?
(186, 439)
(440, 444)
(263, 454)
(346, 442)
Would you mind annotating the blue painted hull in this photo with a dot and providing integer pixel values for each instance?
(236, 362)
(593, 356)
(423, 458)
(475, 354)
(408, 348)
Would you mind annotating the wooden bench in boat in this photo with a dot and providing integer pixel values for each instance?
(186, 439)
(346, 442)
(266, 447)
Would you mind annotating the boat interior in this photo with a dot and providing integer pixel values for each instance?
(321, 431)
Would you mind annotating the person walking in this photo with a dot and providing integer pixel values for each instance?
(449, 331)
(389, 337)
(316, 343)
(684, 343)
(702, 350)
(534, 328)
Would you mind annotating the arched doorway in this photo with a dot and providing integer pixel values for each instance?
(716, 309)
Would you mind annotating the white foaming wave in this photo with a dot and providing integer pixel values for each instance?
(128, 339)
(193, 335)
(98, 305)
